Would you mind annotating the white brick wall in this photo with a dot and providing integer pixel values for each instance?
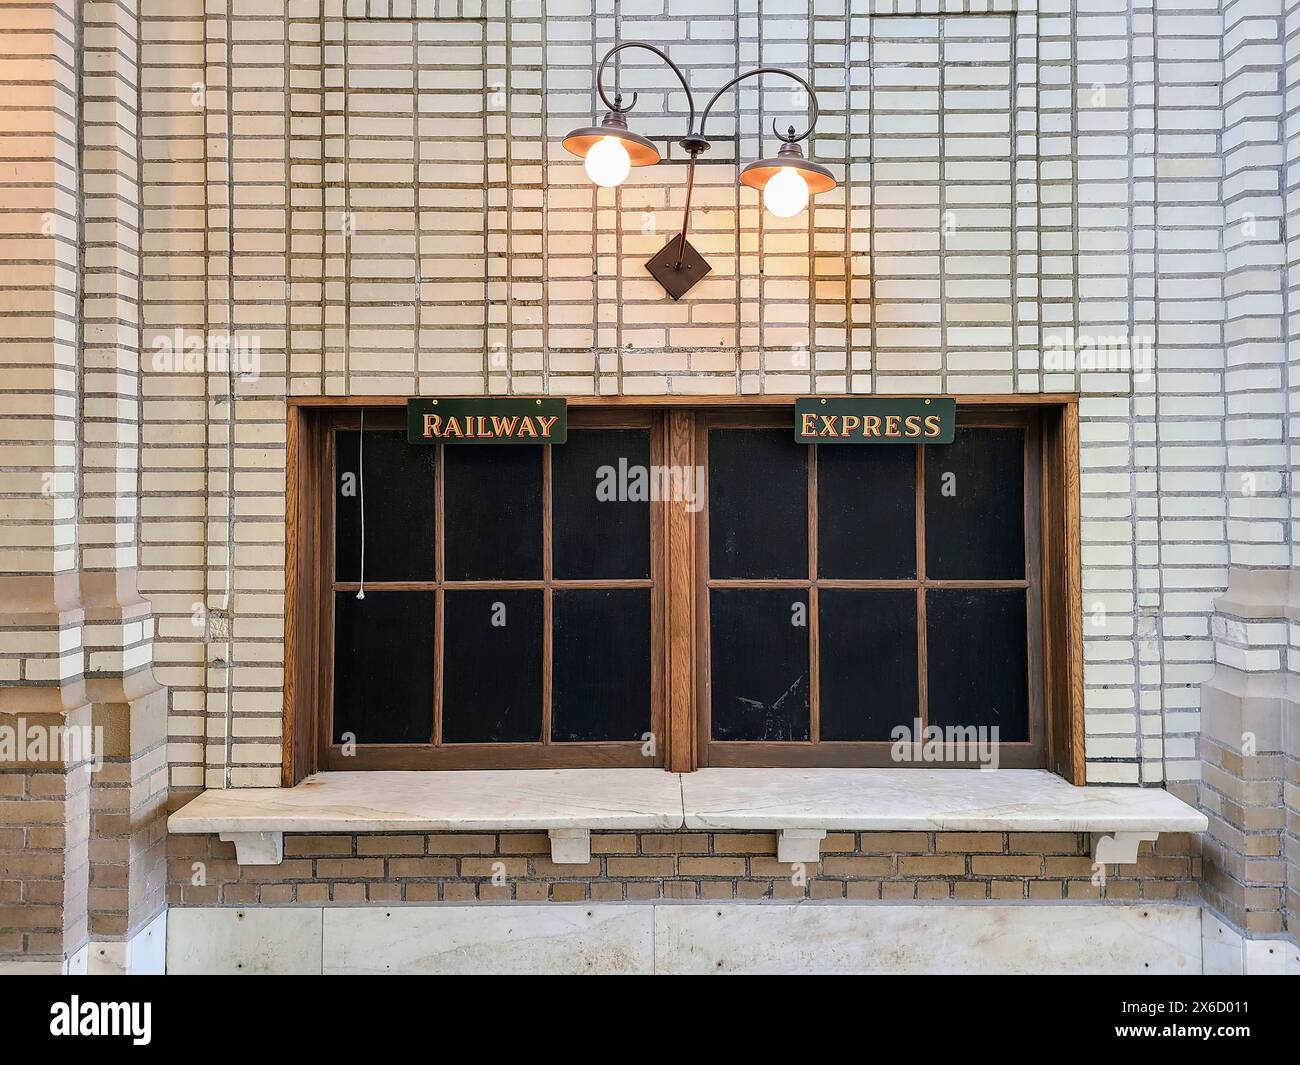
(1041, 177)
(1291, 290)
(174, 476)
(41, 420)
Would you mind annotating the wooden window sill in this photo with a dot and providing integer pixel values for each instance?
(802, 805)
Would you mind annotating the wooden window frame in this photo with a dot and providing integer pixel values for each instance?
(678, 551)
(543, 754)
(813, 752)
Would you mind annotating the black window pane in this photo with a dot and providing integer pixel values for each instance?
(868, 679)
(975, 506)
(492, 508)
(401, 540)
(492, 666)
(758, 504)
(600, 482)
(977, 659)
(866, 512)
(383, 666)
(601, 664)
(758, 655)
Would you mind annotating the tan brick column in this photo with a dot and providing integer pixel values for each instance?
(129, 791)
(1250, 732)
(44, 794)
(82, 719)
(1250, 708)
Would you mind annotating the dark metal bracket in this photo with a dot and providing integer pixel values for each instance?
(677, 266)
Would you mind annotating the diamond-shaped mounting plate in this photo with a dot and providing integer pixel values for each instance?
(677, 282)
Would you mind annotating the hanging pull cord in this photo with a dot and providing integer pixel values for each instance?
(361, 488)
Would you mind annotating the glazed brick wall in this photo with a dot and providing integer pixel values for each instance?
(1290, 178)
(260, 124)
(633, 867)
(482, 261)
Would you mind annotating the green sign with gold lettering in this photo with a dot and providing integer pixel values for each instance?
(487, 421)
(875, 419)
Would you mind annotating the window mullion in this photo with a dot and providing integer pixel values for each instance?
(680, 589)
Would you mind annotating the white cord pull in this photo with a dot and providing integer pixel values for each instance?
(361, 488)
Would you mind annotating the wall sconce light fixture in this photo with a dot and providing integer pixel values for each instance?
(786, 180)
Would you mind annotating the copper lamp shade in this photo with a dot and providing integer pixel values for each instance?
(640, 151)
(758, 173)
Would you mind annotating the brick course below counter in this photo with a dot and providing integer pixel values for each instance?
(640, 866)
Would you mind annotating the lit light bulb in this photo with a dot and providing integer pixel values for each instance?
(786, 193)
(608, 162)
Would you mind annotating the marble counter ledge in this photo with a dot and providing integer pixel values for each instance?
(567, 803)
(925, 800)
(802, 805)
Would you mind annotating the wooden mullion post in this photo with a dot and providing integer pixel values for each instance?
(680, 754)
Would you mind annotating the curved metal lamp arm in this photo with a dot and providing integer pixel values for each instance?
(812, 99)
(695, 142)
(600, 74)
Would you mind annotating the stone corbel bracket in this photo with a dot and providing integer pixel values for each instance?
(1121, 848)
(256, 848)
(800, 845)
(570, 846)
